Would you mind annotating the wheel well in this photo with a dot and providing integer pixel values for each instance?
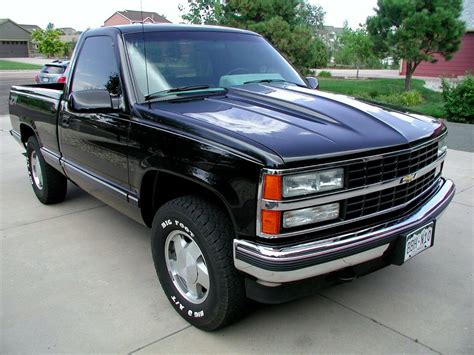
(26, 132)
(152, 197)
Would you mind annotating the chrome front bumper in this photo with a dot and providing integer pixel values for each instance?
(276, 265)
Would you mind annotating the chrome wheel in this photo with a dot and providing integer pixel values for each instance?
(36, 172)
(187, 266)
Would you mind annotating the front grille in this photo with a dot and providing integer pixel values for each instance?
(364, 205)
(375, 207)
(386, 168)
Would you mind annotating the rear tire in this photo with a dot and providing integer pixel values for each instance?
(49, 185)
(192, 251)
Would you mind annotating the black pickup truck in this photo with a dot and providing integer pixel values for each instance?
(255, 185)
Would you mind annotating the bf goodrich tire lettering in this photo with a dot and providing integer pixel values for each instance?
(202, 284)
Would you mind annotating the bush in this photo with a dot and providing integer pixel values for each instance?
(324, 74)
(459, 100)
(374, 93)
(410, 98)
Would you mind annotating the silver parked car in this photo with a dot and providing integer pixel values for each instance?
(52, 72)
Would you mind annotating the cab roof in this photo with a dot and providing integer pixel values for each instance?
(167, 27)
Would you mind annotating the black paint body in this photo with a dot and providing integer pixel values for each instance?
(218, 144)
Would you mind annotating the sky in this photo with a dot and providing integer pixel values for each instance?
(83, 14)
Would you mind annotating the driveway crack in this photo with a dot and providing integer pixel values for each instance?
(381, 324)
(51, 218)
(160, 339)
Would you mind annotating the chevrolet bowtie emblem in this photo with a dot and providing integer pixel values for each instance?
(408, 178)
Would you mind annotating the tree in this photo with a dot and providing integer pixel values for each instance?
(415, 30)
(202, 12)
(312, 16)
(48, 41)
(287, 24)
(355, 48)
(68, 48)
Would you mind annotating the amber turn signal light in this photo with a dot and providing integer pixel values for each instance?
(271, 222)
(272, 187)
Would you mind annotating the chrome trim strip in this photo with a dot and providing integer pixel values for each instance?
(53, 159)
(133, 200)
(125, 194)
(285, 205)
(16, 136)
(87, 175)
(50, 156)
(308, 251)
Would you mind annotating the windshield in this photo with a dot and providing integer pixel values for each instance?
(53, 69)
(216, 59)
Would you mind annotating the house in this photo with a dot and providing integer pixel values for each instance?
(69, 34)
(127, 17)
(67, 31)
(34, 46)
(462, 61)
(15, 41)
(30, 28)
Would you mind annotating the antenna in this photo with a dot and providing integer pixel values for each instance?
(144, 50)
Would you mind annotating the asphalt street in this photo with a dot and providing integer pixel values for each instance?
(7, 79)
(78, 277)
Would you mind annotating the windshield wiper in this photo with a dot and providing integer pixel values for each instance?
(163, 93)
(175, 90)
(274, 81)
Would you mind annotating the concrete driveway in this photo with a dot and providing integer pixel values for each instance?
(78, 277)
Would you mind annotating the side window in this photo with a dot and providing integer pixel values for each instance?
(97, 67)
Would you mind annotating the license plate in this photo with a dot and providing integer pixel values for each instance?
(419, 240)
(45, 80)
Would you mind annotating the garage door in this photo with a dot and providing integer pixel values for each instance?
(12, 49)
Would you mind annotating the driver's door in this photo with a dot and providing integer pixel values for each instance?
(94, 144)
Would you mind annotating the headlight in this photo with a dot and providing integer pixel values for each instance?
(310, 183)
(310, 215)
(442, 146)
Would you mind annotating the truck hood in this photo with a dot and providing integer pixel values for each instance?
(303, 124)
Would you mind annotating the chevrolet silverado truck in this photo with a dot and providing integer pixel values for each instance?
(255, 185)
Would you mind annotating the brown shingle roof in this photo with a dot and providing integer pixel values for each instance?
(139, 16)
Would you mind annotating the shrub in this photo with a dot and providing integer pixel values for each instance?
(411, 98)
(459, 100)
(373, 93)
(324, 74)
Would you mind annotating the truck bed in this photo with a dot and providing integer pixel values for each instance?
(37, 106)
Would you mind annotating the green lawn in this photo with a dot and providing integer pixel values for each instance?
(432, 105)
(9, 65)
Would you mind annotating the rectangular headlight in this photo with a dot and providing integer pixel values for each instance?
(310, 215)
(442, 146)
(310, 183)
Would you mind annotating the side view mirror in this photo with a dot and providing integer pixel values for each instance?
(312, 82)
(91, 100)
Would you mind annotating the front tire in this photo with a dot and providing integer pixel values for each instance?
(192, 252)
(49, 185)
